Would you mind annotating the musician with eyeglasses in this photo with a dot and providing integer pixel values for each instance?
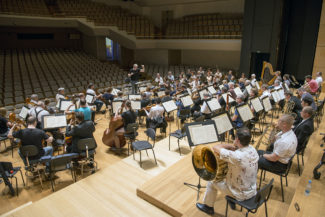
(304, 94)
(276, 159)
(313, 85)
(305, 128)
(240, 181)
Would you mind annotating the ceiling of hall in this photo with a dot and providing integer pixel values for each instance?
(154, 3)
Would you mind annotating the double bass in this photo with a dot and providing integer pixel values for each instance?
(111, 137)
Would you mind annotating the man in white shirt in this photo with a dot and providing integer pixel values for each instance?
(33, 100)
(170, 76)
(159, 80)
(205, 110)
(253, 80)
(284, 147)
(319, 79)
(240, 181)
(98, 103)
(60, 94)
(265, 92)
(155, 113)
(38, 112)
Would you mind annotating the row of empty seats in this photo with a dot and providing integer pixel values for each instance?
(225, 26)
(43, 71)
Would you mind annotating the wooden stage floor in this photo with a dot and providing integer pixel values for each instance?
(113, 190)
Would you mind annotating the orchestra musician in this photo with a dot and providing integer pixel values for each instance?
(313, 85)
(304, 94)
(83, 108)
(236, 118)
(231, 90)
(159, 80)
(205, 110)
(306, 102)
(297, 107)
(108, 97)
(253, 80)
(60, 94)
(319, 79)
(83, 129)
(119, 96)
(32, 136)
(5, 125)
(170, 77)
(265, 91)
(134, 76)
(305, 128)
(155, 116)
(96, 101)
(38, 112)
(128, 115)
(284, 147)
(240, 181)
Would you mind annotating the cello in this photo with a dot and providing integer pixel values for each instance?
(111, 137)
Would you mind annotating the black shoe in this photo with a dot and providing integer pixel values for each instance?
(232, 205)
(205, 208)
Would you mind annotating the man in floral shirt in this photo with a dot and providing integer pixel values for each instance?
(240, 181)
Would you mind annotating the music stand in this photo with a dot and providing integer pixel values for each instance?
(212, 90)
(53, 121)
(187, 100)
(189, 131)
(116, 105)
(134, 97)
(169, 106)
(245, 112)
(89, 98)
(136, 104)
(23, 112)
(213, 104)
(223, 123)
(64, 104)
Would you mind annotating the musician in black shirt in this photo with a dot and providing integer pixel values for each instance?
(4, 123)
(134, 77)
(32, 136)
(129, 116)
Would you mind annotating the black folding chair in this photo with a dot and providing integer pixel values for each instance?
(145, 145)
(86, 148)
(131, 134)
(301, 152)
(11, 172)
(255, 202)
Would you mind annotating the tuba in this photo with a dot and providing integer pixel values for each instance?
(208, 165)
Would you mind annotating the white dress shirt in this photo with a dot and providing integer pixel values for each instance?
(242, 171)
(58, 97)
(155, 112)
(205, 108)
(285, 146)
(42, 112)
(265, 93)
(319, 80)
(253, 82)
(159, 80)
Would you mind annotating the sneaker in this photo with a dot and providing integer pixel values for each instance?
(204, 208)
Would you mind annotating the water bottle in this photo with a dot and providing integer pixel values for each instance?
(308, 188)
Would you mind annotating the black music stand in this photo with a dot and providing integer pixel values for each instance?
(191, 144)
(219, 128)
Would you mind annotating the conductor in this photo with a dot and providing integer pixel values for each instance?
(134, 77)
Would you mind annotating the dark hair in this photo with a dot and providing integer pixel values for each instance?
(158, 100)
(307, 100)
(167, 92)
(288, 93)
(80, 116)
(31, 120)
(244, 136)
(83, 102)
(109, 89)
(128, 104)
(308, 76)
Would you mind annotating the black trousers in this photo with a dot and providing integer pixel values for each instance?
(274, 167)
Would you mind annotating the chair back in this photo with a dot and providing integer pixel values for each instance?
(289, 165)
(29, 150)
(151, 134)
(86, 144)
(264, 193)
(200, 119)
(61, 162)
(132, 128)
(184, 113)
(304, 145)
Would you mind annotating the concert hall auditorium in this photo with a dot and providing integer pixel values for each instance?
(162, 108)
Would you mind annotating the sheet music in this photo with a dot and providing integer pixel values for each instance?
(225, 98)
(203, 134)
(238, 91)
(55, 121)
(248, 88)
(223, 123)
(89, 98)
(275, 96)
(142, 89)
(257, 85)
(189, 91)
(202, 92)
(170, 106)
(281, 93)
(187, 101)
(221, 86)
(267, 104)
(257, 105)
(161, 93)
(214, 104)
(134, 97)
(65, 104)
(192, 128)
(23, 112)
(245, 112)
(212, 90)
(135, 104)
(116, 105)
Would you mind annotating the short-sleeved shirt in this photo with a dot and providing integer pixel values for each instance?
(285, 146)
(32, 136)
(86, 111)
(3, 125)
(242, 171)
(313, 86)
(238, 122)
